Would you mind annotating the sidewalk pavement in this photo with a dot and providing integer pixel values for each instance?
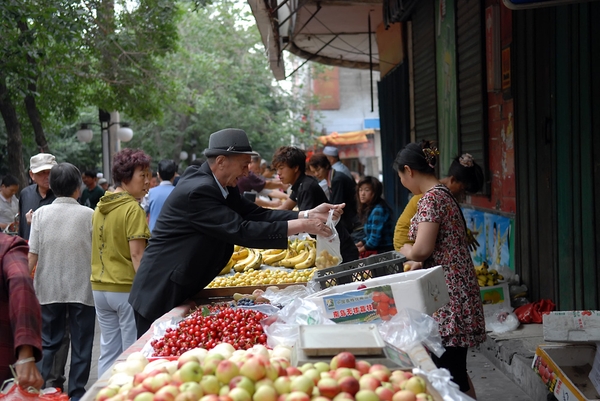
(500, 369)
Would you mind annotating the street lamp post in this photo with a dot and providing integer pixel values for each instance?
(111, 138)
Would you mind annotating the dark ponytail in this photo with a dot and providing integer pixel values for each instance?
(418, 156)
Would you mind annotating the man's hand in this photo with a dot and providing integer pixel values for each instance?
(321, 212)
(28, 216)
(29, 376)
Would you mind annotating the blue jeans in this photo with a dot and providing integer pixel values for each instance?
(81, 320)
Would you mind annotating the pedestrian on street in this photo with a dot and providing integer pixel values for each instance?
(9, 204)
(333, 156)
(439, 231)
(20, 316)
(120, 235)
(200, 222)
(37, 194)
(62, 278)
(158, 194)
(92, 192)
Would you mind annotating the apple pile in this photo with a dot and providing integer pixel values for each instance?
(259, 374)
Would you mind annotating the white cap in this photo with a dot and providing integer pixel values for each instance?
(41, 162)
(330, 151)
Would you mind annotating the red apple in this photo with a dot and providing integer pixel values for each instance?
(145, 396)
(254, 368)
(366, 395)
(343, 360)
(154, 383)
(404, 395)
(349, 385)
(242, 382)
(369, 382)
(313, 374)
(381, 372)
(293, 371)
(329, 387)
(363, 367)
(342, 372)
(384, 393)
(226, 370)
(265, 393)
(166, 393)
(239, 394)
(298, 396)
(343, 396)
(192, 387)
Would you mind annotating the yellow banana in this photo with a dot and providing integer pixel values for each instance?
(227, 267)
(241, 264)
(255, 262)
(241, 254)
(236, 248)
(270, 259)
(310, 260)
(291, 262)
(269, 252)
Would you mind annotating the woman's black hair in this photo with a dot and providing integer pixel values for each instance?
(364, 210)
(65, 179)
(418, 156)
(465, 170)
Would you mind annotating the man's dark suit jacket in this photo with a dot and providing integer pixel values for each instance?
(193, 240)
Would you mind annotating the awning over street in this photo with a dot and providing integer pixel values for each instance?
(347, 138)
(334, 32)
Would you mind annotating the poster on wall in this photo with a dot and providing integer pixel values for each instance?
(445, 47)
(493, 232)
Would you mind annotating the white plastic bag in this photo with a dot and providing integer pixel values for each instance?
(502, 321)
(441, 380)
(328, 248)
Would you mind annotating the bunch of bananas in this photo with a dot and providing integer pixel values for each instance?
(301, 254)
(243, 259)
(487, 277)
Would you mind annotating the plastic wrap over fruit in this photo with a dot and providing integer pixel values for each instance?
(282, 327)
(441, 380)
(409, 327)
(286, 295)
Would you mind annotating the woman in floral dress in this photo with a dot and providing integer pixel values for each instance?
(439, 232)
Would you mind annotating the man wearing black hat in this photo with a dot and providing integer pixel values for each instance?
(201, 220)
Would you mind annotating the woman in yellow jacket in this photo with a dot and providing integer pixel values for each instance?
(120, 236)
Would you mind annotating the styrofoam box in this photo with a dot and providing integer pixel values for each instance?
(422, 290)
(595, 373)
(572, 326)
(494, 298)
(565, 370)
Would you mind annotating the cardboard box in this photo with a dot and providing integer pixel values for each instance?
(572, 326)
(380, 298)
(565, 370)
(494, 298)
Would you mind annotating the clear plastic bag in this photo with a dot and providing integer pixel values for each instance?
(441, 380)
(286, 295)
(409, 328)
(328, 248)
(282, 327)
(502, 321)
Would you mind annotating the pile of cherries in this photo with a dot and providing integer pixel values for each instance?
(209, 326)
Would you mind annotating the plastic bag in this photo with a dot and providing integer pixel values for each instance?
(328, 248)
(13, 392)
(441, 380)
(502, 321)
(532, 313)
(286, 295)
(282, 327)
(410, 327)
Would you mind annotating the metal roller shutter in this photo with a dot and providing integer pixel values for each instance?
(425, 106)
(471, 91)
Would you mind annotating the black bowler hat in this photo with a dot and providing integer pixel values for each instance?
(228, 141)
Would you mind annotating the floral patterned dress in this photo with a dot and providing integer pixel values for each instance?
(461, 321)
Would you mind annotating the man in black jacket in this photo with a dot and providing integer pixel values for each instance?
(199, 224)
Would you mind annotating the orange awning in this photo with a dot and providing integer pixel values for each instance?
(347, 138)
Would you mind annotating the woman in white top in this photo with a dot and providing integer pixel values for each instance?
(9, 204)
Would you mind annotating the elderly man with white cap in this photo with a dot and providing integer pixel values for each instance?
(334, 158)
(37, 194)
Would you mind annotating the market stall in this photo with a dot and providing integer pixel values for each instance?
(275, 332)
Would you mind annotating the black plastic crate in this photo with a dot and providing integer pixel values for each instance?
(378, 265)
